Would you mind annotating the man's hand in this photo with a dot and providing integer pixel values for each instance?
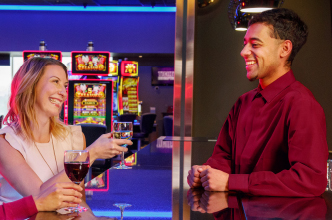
(193, 177)
(58, 196)
(214, 201)
(193, 197)
(214, 180)
(207, 202)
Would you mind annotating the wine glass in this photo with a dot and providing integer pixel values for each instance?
(122, 130)
(121, 206)
(77, 163)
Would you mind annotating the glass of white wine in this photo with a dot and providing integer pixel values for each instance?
(122, 130)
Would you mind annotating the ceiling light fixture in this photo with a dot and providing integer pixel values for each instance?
(257, 6)
(241, 20)
(241, 11)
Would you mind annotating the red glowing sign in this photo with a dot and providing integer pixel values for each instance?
(129, 68)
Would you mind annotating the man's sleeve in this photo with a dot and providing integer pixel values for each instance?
(222, 153)
(20, 209)
(307, 155)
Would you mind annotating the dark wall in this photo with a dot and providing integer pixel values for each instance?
(219, 70)
(152, 97)
(220, 74)
(120, 32)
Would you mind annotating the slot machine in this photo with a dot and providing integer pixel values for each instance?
(90, 98)
(128, 88)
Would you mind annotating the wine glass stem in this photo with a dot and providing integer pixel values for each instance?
(122, 159)
(78, 205)
(121, 209)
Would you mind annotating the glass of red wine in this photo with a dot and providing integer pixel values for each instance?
(77, 163)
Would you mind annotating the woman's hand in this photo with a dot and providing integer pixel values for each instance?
(58, 196)
(106, 147)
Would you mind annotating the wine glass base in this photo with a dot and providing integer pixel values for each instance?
(119, 167)
(122, 205)
(77, 209)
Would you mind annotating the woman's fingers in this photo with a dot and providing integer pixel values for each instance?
(120, 149)
(67, 204)
(68, 185)
(71, 199)
(122, 141)
(108, 135)
(71, 192)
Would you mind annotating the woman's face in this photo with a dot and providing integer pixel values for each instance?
(51, 92)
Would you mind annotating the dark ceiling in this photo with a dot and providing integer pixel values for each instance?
(158, 3)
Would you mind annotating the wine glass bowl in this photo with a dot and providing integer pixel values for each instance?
(76, 163)
(122, 130)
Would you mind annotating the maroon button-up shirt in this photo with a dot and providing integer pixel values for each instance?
(273, 142)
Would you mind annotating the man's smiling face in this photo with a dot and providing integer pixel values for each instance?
(261, 52)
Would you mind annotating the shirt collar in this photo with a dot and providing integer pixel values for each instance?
(277, 86)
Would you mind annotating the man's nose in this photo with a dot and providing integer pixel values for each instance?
(245, 51)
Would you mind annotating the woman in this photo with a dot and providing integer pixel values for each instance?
(33, 144)
(58, 196)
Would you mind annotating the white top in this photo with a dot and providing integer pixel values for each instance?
(74, 141)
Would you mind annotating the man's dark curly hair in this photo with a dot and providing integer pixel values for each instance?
(287, 25)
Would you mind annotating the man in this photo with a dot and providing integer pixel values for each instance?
(273, 142)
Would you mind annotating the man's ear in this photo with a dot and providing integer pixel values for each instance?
(286, 48)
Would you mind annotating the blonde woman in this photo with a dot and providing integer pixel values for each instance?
(32, 144)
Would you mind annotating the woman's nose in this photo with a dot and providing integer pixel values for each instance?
(62, 92)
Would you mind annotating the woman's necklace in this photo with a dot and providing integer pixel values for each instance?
(54, 157)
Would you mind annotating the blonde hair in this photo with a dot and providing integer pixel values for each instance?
(21, 114)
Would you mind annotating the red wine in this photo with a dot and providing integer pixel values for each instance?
(76, 171)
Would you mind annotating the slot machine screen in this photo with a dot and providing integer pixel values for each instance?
(90, 63)
(28, 54)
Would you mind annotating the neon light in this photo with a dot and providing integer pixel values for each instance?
(88, 8)
(126, 213)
